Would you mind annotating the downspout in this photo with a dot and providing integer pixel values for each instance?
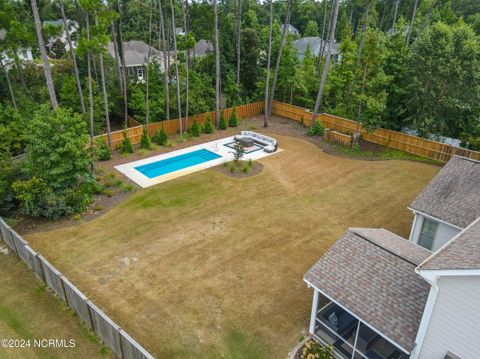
(427, 315)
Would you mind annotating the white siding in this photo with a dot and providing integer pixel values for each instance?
(455, 322)
(443, 235)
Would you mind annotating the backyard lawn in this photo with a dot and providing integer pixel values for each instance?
(209, 266)
(29, 311)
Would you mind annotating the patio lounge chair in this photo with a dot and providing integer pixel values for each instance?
(269, 144)
(344, 321)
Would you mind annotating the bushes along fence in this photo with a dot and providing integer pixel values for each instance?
(171, 127)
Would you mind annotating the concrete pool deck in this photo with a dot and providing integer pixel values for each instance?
(218, 147)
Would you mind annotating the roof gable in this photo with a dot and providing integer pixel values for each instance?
(453, 195)
(462, 252)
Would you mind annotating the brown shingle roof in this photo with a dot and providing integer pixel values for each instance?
(453, 195)
(371, 272)
(462, 252)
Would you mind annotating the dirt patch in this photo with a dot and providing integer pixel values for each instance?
(254, 170)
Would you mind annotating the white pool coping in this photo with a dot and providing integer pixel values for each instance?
(128, 169)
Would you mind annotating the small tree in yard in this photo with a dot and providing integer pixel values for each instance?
(316, 130)
(233, 121)
(222, 124)
(58, 173)
(239, 152)
(145, 141)
(195, 129)
(208, 126)
(160, 137)
(126, 146)
(102, 150)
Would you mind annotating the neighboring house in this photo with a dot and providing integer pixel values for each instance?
(202, 48)
(448, 204)
(292, 30)
(24, 53)
(379, 296)
(314, 43)
(72, 27)
(136, 57)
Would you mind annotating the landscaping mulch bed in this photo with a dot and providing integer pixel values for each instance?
(101, 204)
(253, 171)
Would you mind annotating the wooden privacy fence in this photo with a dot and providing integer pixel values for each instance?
(401, 141)
(171, 127)
(116, 338)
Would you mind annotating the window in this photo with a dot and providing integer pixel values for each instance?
(427, 233)
(140, 72)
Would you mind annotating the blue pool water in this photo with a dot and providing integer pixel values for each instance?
(176, 163)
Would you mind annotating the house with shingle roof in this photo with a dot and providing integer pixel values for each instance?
(448, 204)
(380, 296)
(136, 55)
(314, 44)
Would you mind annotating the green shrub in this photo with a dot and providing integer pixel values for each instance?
(195, 128)
(126, 146)
(222, 124)
(38, 199)
(160, 137)
(233, 121)
(208, 125)
(126, 187)
(102, 150)
(145, 141)
(316, 130)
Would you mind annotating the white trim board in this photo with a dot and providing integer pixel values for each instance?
(226, 153)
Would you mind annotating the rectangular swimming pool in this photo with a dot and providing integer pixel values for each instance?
(177, 163)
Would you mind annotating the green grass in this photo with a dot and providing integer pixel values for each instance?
(29, 311)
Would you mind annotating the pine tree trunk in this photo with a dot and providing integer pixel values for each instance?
(395, 12)
(269, 56)
(177, 76)
(118, 64)
(19, 68)
(427, 17)
(185, 24)
(147, 74)
(217, 65)
(105, 96)
(43, 52)
(122, 59)
(356, 137)
(239, 32)
(328, 58)
(161, 38)
(7, 78)
(360, 49)
(410, 26)
(279, 56)
(74, 59)
(89, 76)
(324, 40)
